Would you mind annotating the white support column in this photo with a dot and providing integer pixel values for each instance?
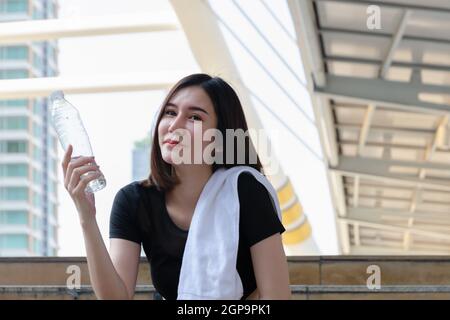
(201, 26)
(302, 13)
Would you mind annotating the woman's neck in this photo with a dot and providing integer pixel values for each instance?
(192, 180)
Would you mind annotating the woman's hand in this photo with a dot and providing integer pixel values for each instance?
(75, 183)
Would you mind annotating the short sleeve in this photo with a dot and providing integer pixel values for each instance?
(123, 219)
(258, 216)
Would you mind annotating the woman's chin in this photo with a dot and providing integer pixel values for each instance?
(171, 159)
(167, 159)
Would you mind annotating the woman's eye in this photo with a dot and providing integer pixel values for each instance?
(196, 118)
(170, 113)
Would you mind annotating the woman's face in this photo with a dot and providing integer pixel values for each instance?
(187, 115)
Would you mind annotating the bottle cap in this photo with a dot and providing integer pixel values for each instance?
(56, 95)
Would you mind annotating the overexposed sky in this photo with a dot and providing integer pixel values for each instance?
(115, 121)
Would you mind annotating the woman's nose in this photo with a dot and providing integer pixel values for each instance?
(175, 124)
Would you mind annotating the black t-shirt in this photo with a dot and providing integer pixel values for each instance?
(163, 241)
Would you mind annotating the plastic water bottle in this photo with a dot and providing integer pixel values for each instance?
(70, 129)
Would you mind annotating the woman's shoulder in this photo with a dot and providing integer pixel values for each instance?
(136, 189)
(247, 177)
(248, 183)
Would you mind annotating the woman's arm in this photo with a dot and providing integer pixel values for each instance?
(107, 282)
(260, 229)
(271, 269)
(113, 276)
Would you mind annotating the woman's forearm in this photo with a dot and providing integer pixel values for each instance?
(105, 281)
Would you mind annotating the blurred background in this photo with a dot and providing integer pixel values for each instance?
(354, 96)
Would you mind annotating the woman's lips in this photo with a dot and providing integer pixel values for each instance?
(171, 142)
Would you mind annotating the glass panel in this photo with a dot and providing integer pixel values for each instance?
(14, 241)
(37, 154)
(37, 177)
(13, 146)
(38, 107)
(51, 232)
(15, 217)
(38, 13)
(37, 223)
(37, 130)
(13, 170)
(14, 53)
(37, 200)
(17, 6)
(21, 103)
(13, 123)
(50, 9)
(37, 246)
(14, 74)
(38, 61)
(14, 194)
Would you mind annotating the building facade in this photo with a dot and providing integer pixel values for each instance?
(28, 144)
(141, 159)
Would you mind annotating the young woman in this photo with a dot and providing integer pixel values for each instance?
(156, 213)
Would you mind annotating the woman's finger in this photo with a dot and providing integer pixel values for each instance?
(78, 172)
(84, 182)
(75, 163)
(66, 159)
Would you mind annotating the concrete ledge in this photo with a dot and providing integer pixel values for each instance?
(310, 271)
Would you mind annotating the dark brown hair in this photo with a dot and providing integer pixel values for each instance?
(230, 115)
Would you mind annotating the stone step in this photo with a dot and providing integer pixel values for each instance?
(299, 292)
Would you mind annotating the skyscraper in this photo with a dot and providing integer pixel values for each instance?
(141, 159)
(28, 144)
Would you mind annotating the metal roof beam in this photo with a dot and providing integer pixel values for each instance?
(393, 4)
(383, 250)
(394, 44)
(328, 30)
(393, 130)
(376, 214)
(390, 186)
(395, 228)
(364, 132)
(384, 145)
(383, 92)
(430, 150)
(400, 64)
(378, 169)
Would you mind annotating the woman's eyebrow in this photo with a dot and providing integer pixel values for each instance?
(171, 104)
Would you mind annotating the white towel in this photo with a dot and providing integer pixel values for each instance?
(208, 270)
